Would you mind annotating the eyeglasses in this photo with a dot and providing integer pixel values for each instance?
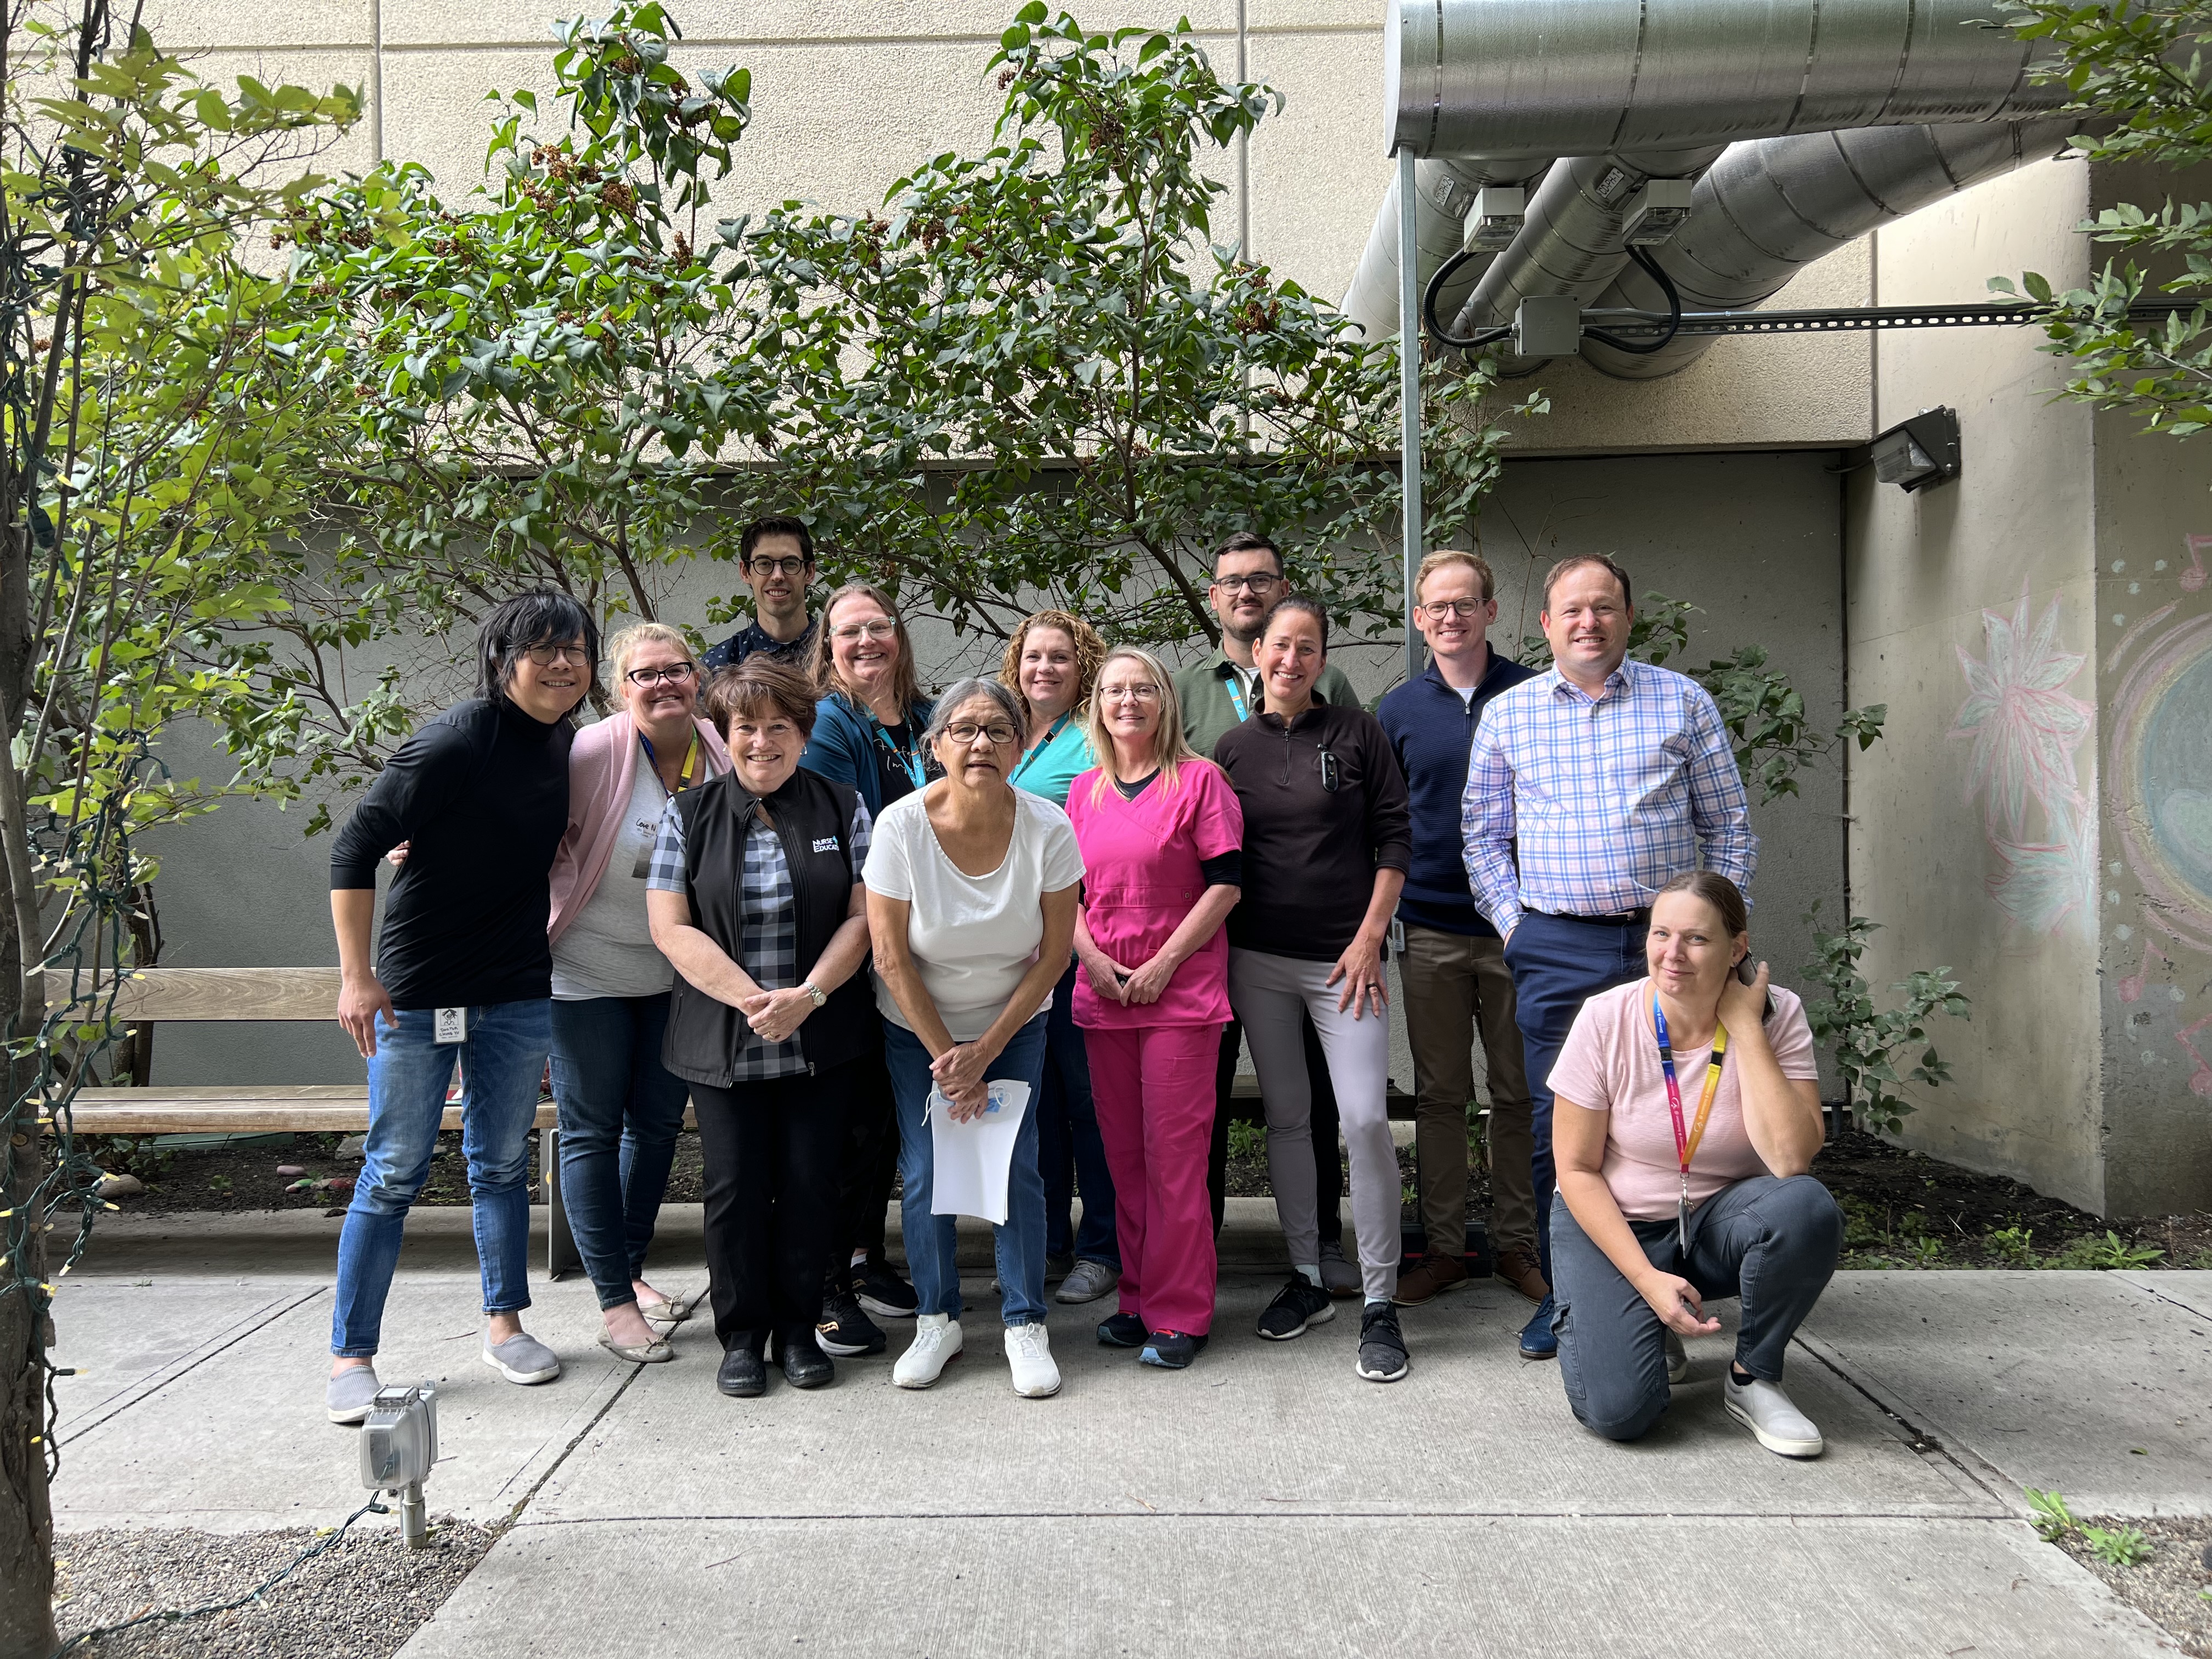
(777, 567)
(1129, 693)
(869, 630)
(546, 655)
(1259, 584)
(1000, 734)
(675, 674)
(1436, 611)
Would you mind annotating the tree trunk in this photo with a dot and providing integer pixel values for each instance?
(26, 1522)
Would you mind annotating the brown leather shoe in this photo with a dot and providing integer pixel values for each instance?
(1517, 1266)
(1428, 1278)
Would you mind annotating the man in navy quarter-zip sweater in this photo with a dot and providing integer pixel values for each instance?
(1453, 967)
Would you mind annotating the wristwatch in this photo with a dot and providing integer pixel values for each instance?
(812, 990)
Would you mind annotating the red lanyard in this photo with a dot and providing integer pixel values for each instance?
(1686, 1139)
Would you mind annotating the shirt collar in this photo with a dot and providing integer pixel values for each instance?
(1621, 683)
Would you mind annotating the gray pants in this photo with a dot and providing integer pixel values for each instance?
(1770, 1241)
(1269, 993)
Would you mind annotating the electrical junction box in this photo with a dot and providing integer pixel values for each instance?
(1495, 219)
(1547, 325)
(1658, 212)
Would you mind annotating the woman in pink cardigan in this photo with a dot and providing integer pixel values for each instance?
(620, 1109)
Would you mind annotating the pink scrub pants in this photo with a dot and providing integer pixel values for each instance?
(1153, 1085)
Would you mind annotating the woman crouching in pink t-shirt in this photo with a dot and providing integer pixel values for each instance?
(1684, 1127)
(1162, 836)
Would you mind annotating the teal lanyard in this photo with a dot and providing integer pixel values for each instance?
(1236, 694)
(910, 761)
(1023, 764)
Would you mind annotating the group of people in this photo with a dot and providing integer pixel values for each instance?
(783, 883)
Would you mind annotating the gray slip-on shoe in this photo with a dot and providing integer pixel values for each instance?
(523, 1358)
(350, 1393)
(1677, 1358)
(1088, 1281)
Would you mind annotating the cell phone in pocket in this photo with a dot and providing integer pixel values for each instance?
(1332, 773)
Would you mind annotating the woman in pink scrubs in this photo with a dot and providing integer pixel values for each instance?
(1162, 836)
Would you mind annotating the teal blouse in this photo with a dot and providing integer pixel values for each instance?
(1051, 767)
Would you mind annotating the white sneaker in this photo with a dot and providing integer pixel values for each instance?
(1677, 1358)
(1029, 1351)
(1775, 1423)
(936, 1339)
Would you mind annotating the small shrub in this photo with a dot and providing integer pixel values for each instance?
(2118, 1546)
(2014, 1246)
(1926, 1251)
(2105, 1255)
(1247, 1139)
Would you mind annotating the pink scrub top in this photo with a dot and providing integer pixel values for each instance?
(1140, 878)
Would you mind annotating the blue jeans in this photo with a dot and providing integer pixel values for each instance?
(1770, 1241)
(932, 1241)
(502, 1061)
(620, 1112)
(1070, 1154)
(1557, 966)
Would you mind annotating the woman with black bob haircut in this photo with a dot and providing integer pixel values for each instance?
(463, 973)
(755, 896)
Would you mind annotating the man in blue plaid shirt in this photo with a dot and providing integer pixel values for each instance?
(1588, 789)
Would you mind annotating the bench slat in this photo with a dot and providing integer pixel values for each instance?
(340, 1109)
(212, 993)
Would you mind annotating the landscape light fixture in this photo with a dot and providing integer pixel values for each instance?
(1496, 218)
(398, 1445)
(1922, 451)
(1658, 212)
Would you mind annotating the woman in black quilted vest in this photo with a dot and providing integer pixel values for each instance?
(755, 895)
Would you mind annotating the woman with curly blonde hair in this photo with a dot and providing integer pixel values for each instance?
(1051, 665)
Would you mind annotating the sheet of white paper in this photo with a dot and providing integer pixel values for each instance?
(972, 1158)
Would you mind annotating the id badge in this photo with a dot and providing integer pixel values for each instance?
(1395, 937)
(451, 1025)
(1683, 1223)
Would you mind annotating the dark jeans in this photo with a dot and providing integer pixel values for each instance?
(867, 1163)
(621, 1110)
(1771, 1241)
(1556, 965)
(1328, 1152)
(771, 1151)
(1071, 1157)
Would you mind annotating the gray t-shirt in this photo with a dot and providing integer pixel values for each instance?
(607, 949)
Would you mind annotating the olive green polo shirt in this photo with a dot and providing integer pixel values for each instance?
(1209, 705)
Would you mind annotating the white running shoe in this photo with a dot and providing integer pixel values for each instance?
(937, 1339)
(1029, 1351)
(1774, 1422)
(1678, 1358)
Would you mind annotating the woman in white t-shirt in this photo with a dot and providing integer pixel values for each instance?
(972, 891)
(1688, 1113)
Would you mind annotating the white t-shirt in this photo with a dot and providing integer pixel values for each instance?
(972, 937)
(607, 949)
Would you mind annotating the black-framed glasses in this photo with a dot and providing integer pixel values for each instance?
(1436, 611)
(763, 567)
(675, 673)
(546, 655)
(964, 733)
(1259, 582)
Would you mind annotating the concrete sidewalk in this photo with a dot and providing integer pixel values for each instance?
(1265, 1502)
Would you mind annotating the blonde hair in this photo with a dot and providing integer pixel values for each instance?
(624, 645)
(1444, 557)
(906, 684)
(1171, 749)
(1090, 657)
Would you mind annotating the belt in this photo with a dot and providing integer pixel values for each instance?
(1626, 919)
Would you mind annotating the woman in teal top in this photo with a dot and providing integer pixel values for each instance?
(1052, 666)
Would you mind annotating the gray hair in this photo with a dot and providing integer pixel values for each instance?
(963, 692)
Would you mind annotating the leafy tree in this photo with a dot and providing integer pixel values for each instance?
(2138, 74)
(153, 431)
(1034, 377)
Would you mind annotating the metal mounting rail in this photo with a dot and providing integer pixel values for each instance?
(1857, 318)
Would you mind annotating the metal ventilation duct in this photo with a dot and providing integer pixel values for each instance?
(1445, 189)
(1768, 209)
(1584, 77)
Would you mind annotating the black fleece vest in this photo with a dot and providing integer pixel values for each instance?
(813, 818)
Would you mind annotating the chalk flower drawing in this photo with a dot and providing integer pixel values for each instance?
(2024, 726)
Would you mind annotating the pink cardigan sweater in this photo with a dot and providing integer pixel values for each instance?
(602, 771)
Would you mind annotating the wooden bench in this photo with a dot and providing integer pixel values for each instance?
(299, 995)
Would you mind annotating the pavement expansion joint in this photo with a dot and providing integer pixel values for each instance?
(168, 1375)
(513, 1515)
(1970, 1468)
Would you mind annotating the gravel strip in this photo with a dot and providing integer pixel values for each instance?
(2171, 1587)
(363, 1597)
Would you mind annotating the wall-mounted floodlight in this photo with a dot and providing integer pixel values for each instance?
(1922, 451)
(1658, 212)
(1547, 325)
(1495, 219)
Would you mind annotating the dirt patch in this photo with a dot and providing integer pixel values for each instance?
(2172, 1586)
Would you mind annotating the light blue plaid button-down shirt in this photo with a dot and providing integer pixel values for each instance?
(1608, 799)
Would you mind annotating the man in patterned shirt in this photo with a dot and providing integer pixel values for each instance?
(776, 558)
(1588, 789)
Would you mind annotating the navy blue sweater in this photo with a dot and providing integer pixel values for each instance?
(1432, 730)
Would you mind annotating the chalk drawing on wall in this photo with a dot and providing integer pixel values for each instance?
(2025, 727)
(2200, 1081)
(2160, 776)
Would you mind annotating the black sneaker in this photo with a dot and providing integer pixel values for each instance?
(1121, 1330)
(1299, 1303)
(1383, 1357)
(742, 1375)
(845, 1330)
(884, 1293)
(1171, 1351)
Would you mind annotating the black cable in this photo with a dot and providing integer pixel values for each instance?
(1650, 268)
(1428, 307)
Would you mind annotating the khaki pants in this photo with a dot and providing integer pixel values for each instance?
(1453, 982)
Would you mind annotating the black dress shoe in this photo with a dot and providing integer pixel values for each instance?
(804, 1364)
(742, 1375)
